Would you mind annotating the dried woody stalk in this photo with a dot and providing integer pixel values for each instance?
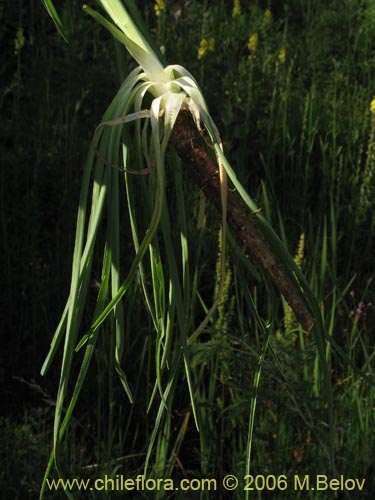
(188, 143)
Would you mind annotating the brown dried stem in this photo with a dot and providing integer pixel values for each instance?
(188, 143)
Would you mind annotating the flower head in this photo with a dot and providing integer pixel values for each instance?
(206, 44)
(282, 55)
(372, 106)
(202, 48)
(301, 250)
(211, 44)
(159, 6)
(253, 42)
(360, 308)
(236, 8)
(19, 41)
(267, 16)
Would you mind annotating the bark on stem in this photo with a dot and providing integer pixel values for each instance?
(187, 141)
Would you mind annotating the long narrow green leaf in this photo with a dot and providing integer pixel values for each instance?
(146, 240)
(181, 315)
(253, 403)
(83, 371)
(48, 4)
(128, 34)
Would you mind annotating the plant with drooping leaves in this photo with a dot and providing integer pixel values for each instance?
(149, 100)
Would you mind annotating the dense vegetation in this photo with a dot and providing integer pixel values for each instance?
(291, 88)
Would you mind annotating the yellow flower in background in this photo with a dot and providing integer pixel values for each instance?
(282, 55)
(372, 106)
(211, 44)
(253, 42)
(236, 8)
(300, 251)
(267, 16)
(202, 48)
(159, 6)
(19, 41)
(289, 318)
(206, 45)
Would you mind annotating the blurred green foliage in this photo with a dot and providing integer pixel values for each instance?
(295, 81)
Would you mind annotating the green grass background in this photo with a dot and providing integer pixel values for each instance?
(290, 91)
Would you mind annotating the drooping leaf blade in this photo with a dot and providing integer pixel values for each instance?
(49, 6)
